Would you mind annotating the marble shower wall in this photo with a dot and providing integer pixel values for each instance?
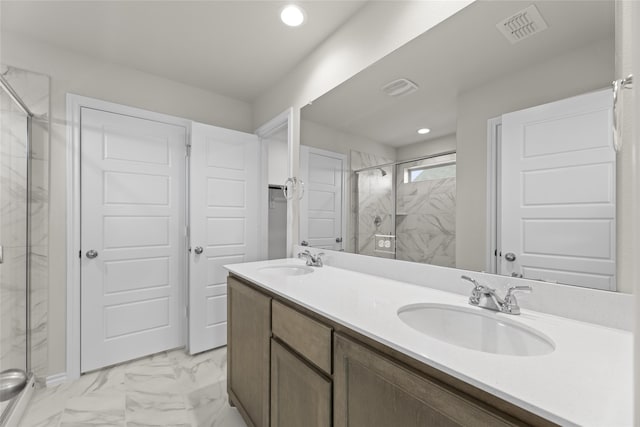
(372, 195)
(34, 89)
(13, 235)
(425, 219)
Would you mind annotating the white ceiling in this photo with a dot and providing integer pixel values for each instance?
(461, 53)
(235, 48)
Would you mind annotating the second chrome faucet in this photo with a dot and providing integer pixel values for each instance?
(486, 297)
(312, 261)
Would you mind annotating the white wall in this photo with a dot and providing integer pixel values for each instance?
(319, 136)
(583, 70)
(427, 148)
(87, 76)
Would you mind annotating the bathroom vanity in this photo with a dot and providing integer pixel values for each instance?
(326, 346)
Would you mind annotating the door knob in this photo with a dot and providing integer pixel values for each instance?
(198, 250)
(92, 254)
(510, 256)
(304, 243)
(338, 239)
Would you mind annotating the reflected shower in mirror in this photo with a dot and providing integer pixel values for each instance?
(517, 174)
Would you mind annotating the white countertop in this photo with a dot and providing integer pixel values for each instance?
(587, 380)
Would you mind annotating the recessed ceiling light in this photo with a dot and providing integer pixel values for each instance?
(424, 131)
(292, 15)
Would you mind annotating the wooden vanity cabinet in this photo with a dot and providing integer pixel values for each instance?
(372, 390)
(248, 351)
(300, 394)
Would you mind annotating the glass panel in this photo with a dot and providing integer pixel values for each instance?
(13, 236)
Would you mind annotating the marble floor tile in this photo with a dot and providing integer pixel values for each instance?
(94, 408)
(156, 408)
(51, 421)
(209, 406)
(151, 379)
(169, 389)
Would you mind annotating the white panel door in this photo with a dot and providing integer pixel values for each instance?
(321, 208)
(132, 216)
(558, 192)
(224, 206)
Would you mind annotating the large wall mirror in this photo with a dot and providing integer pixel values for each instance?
(477, 148)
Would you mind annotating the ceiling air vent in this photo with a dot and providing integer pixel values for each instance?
(400, 87)
(522, 25)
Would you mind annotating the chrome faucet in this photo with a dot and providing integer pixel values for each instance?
(486, 297)
(312, 261)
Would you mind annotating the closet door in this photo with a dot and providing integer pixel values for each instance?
(224, 202)
(132, 258)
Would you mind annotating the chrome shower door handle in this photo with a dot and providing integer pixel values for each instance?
(198, 250)
(91, 254)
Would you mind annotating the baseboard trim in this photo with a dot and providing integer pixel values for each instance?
(53, 380)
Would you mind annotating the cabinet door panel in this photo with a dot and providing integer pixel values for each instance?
(309, 338)
(249, 330)
(371, 390)
(299, 395)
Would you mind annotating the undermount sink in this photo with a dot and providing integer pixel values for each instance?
(286, 270)
(475, 329)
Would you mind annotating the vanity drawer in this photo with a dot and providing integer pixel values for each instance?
(309, 338)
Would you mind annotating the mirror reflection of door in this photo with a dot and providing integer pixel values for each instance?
(557, 192)
(322, 208)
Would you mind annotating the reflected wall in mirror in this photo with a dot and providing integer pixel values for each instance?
(404, 198)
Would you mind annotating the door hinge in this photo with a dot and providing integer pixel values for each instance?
(188, 150)
(80, 254)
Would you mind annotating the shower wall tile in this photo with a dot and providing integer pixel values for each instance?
(371, 194)
(39, 310)
(39, 202)
(13, 320)
(425, 221)
(13, 176)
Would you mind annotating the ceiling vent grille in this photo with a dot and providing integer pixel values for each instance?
(400, 87)
(522, 25)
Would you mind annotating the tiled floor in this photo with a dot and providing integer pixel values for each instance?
(167, 389)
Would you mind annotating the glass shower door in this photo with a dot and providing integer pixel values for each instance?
(14, 170)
